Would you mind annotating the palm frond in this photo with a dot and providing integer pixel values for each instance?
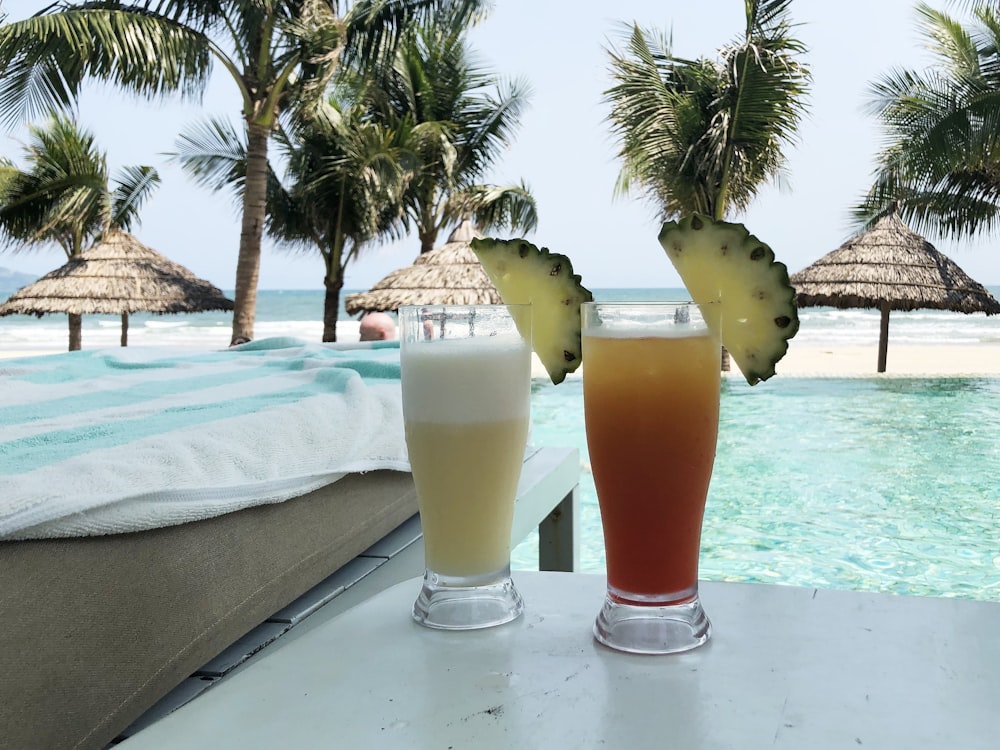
(941, 126)
(134, 185)
(47, 57)
(950, 42)
(703, 135)
(62, 195)
(766, 91)
(213, 153)
(374, 27)
(463, 116)
(498, 207)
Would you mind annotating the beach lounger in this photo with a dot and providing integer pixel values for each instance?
(98, 629)
(109, 607)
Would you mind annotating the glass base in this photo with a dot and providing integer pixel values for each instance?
(652, 628)
(467, 603)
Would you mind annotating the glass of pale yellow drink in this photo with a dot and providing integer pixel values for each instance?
(466, 375)
(651, 382)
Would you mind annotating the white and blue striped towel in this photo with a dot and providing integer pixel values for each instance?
(110, 441)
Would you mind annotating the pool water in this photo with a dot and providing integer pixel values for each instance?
(875, 484)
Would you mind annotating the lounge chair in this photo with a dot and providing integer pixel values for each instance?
(100, 628)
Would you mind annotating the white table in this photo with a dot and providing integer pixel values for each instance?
(787, 668)
(548, 500)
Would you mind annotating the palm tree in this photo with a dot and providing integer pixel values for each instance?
(941, 163)
(346, 181)
(705, 135)
(464, 118)
(281, 54)
(65, 195)
(343, 180)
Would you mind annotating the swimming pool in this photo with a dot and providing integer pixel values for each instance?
(874, 484)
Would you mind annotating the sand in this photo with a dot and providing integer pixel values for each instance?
(940, 360)
(15, 353)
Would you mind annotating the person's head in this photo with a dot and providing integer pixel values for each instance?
(377, 326)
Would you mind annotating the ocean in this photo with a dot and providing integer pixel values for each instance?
(299, 313)
(871, 484)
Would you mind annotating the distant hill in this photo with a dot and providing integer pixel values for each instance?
(11, 281)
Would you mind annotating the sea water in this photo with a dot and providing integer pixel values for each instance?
(880, 484)
(295, 313)
(299, 313)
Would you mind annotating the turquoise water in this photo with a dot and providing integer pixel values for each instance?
(888, 485)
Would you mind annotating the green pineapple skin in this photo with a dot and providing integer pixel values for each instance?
(523, 273)
(759, 299)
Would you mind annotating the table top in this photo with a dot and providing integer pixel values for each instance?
(787, 667)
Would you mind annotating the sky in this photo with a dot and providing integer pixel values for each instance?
(563, 150)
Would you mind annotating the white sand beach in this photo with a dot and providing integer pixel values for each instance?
(932, 360)
(903, 360)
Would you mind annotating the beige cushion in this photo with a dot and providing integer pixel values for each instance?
(95, 630)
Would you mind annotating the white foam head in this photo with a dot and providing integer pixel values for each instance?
(467, 380)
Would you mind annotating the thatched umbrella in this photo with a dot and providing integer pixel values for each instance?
(890, 267)
(117, 276)
(447, 275)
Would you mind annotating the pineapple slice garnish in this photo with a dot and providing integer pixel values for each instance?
(722, 261)
(524, 273)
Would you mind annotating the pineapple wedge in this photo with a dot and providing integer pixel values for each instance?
(721, 261)
(523, 273)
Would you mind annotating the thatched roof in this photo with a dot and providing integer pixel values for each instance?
(890, 265)
(119, 275)
(448, 275)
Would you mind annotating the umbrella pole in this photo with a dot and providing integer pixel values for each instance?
(75, 332)
(883, 336)
(124, 329)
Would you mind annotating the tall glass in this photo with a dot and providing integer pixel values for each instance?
(466, 373)
(651, 399)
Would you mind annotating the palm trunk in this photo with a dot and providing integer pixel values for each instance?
(331, 307)
(883, 336)
(427, 240)
(248, 263)
(75, 332)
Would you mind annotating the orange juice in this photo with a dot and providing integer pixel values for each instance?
(651, 403)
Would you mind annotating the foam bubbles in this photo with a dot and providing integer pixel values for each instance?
(466, 380)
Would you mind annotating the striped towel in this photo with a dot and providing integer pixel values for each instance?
(110, 441)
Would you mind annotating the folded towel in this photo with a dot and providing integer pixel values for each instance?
(110, 441)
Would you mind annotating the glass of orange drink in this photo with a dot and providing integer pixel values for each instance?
(651, 381)
(466, 380)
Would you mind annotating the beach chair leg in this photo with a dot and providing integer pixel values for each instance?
(559, 535)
